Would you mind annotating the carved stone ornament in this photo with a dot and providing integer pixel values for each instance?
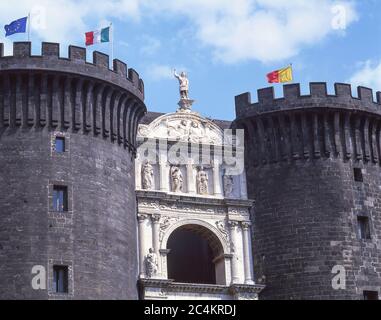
(176, 179)
(202, 182)
(183, 127)
(147, 176)
(151, 263)
(167, 221)
(221, 227)
(228, 186)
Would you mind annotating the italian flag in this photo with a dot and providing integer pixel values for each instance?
(98, 36)
(280, 76)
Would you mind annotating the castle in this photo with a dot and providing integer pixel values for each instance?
(101, 199)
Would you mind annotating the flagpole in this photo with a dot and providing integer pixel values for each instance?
(112, 41)
(28, 26)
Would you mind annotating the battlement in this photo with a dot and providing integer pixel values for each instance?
(118, 73)
(317, 125)
(318, 97)
(49, 91)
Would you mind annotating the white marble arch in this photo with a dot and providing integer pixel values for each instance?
(222, 262)
(184, 127)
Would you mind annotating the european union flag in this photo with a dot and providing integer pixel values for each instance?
(18, 26)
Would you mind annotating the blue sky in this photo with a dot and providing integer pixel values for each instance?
(227, 47)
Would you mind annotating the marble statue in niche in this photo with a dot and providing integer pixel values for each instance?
(151, 263)
(202, 182)
(177, 179)
(147, 176)
(228, 185)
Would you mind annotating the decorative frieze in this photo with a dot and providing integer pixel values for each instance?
(221, 226)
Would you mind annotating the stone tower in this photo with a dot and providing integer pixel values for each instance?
(67, 189)
(313, 168)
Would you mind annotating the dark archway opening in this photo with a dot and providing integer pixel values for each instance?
(193, 250)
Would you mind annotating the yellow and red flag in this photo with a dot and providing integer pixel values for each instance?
(280, 76)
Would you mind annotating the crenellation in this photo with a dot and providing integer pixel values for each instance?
(51, 50)
(365, 94)
(291, 92)
(266, 95)
(22, 49)
(101, 60)
(120, 68)
(378, 97)
(76, 63)
(134, 77)
(64, 100)
(318, 89)
(243, 100)
(77, 54)
(292, 98)
(242, 103)
(343, 90)
(335, 126)
(141, 86)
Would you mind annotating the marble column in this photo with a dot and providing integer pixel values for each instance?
(164, 173)
(246, 253)
(191, 185)
(155, 218)
(233, 225)
(216, 178)
(142, 245)
(155, 232)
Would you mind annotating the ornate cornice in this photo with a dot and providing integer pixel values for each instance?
(171, 286)
(189, 199)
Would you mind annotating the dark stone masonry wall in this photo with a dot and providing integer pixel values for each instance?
(301, 152)
(97, 113)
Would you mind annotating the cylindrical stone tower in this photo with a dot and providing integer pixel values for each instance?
(313, 169)
(67, 187)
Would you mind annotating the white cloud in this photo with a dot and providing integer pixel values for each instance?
(263, 30)
(369, 75)
(159, 72)
(66, 21)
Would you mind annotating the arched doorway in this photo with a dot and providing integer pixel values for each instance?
(193, 254)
